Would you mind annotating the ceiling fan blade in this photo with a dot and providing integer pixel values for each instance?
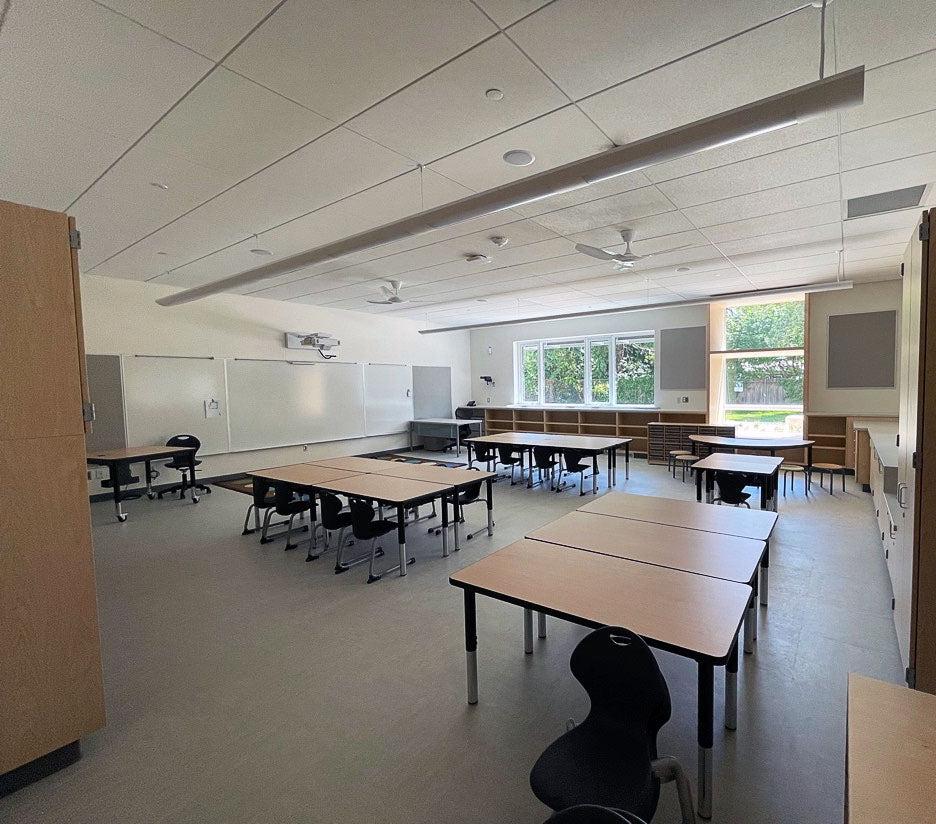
(594, 251)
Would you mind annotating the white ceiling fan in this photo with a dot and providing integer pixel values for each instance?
(391, 293)
(623, 260)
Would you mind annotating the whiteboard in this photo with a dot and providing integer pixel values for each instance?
(277, 403)
(388, 398)
(165, 396)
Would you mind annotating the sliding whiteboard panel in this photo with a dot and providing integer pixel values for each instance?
(388, 398)
(166, 396)
(275, 403)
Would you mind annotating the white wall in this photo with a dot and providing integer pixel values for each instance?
(500, 339)
(122, 317)
(863, 297)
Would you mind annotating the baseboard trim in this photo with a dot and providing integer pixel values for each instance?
(40, 768)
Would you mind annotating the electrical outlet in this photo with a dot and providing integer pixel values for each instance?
(685, 399)
(305, 447)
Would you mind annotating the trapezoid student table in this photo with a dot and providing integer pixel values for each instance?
(695, 616)
(592, 444)
(114, 458)
(768, 445)
(745, 523)
(765, 469)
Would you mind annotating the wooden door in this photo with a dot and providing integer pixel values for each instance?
(922, 671)
(51, 690)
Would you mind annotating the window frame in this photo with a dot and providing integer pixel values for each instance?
(610, 338)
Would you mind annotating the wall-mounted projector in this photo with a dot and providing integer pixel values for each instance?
(320, 341)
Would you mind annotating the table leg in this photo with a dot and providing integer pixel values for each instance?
(401, 535)
(698, 485)
(490, 506)
(755, 618)
(471, 646)
(541, 624)
(114, 472)
(595, 473)
(527, 631)
(611, 467)
(148, 465)
(445, 549)
(627, 461)
(470, 458)
(764, 575)
(457, 441)
(455, 518)
(705, 735)
(750, 624)
(765, 492)
(808, 468)
(776, 486)
(530, 478)
(411, 427)
(191, 463)
(731, 689)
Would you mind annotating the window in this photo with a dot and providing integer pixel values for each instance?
(605, 369)
(758, 375)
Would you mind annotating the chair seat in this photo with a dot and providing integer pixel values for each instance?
(180, 465)
(374, 529)
(792, 468)
(589, 766)
(292, 507)
(829, 467)
(685, 457)
(674, 452)
(340, 521)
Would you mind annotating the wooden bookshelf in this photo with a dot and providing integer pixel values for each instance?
(620, 423)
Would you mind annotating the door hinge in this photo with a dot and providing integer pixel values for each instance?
(893, 603)
(910, 675)
(74, 238)
(913, 461)
(924, 229)
(902, 266)
(898, 440)
(87, 412)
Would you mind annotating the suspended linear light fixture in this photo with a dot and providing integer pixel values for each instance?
(839, 91)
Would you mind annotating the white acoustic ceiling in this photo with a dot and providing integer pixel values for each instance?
(286, 125)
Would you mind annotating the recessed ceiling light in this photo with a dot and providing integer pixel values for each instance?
(261, 252)
(518, 157)
(494, 94)
(477, 258)
(500, 241)
(682, 268)
(159, 185)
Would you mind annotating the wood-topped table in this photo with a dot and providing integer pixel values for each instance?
(113, 459)
(524, 442)
(765, 469)
(696, 616)
(769, 445)
(724, 520)
(890, 758)
(353, 462)
(400, 493)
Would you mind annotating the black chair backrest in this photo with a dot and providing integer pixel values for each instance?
(469, 494)
(463, 414)
(543, 457)
(362, 513)
(182, 440)
(283, 496)
(731, 487)
(505, 452)
(331, 506)
(261, 489)
(623, 682)
(590, 814)
(483, 452)
(573, 459)
(124, 476)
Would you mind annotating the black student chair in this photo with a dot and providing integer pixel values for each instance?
(365, 528)
(182, 464)
(333, 517)
(125, 477)
(610, 759)
(506, 457)
(464, 430)
(545, 463)
(470, 494)
(731, 489)
(287, 505)
(574, 462)
(262, 500)
(591, 814)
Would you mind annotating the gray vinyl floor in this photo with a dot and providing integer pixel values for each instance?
(245, 685)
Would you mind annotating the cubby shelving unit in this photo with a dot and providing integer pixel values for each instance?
(830, 432)
(621, 423)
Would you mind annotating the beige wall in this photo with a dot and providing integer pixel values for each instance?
(121, 317)
(864, 297)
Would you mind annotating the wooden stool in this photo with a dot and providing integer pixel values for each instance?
(833, 469)
(790, 471)
(670, 461)
(685, 460)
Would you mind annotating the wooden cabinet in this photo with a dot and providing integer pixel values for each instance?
(51, 690)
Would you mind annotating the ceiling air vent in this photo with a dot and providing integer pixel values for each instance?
(885, 202)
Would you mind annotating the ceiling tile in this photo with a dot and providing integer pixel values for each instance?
(505, 12)
(906, 220)
(885, 177)
(210, 27)
(764, 62)
(896, 90)
(889, 141)
(447, 110)
(828, 233)
(872, 32)
(233, 125)
(596, 191)
(768, 202)
(90, 66)
(666, 223)
(766, 263)
(586, 47)
(876, 252)
(779, 169)
(782, 221)
(613, 210)
(554, 139)
(337, 60)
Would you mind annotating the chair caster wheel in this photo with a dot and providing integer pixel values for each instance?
(340, 569)
(247, 532)
(194, 499)
(469, 537)
(207, 491)
(312, 558)
(289, 547)
(372, 578)
(151, 495)
(121, 518)
(411, 561)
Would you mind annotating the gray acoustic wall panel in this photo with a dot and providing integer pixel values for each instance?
(862, 350)
(682, 358)
(109, 430)
(432, 392)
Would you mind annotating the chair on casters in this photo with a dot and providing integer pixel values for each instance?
(182, 465)
(832, 469)
(264, 498)
(506, 457)
(544, 460)
(572, 465)
(288, 505)
(591, 814)
(332, 517)
(610, 759)
(365, 528)
(731, 489)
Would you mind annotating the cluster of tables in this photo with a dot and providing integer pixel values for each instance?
(683, 575)
(392, 484)
(523, 444)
